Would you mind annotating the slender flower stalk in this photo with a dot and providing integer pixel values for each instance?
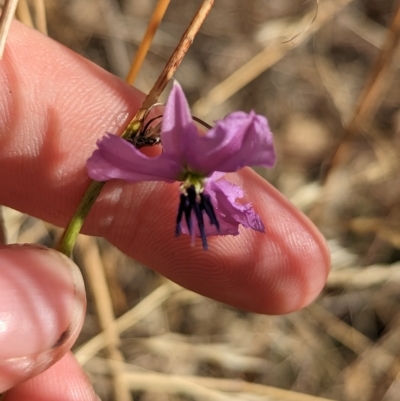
(197, 161)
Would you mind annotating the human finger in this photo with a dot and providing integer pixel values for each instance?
(42, 308)
(54, 110)
(64, 381)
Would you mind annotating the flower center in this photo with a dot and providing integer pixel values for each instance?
(190, 178)
(193, 199)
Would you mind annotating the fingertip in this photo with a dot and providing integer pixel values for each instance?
(64, 381)
(42, 305)
(292, 259)
(277, 272)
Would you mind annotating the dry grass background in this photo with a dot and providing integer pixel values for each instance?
(334, 84)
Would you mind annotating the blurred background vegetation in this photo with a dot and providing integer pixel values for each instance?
(329, 86)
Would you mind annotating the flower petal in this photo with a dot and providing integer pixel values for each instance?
(229, 213)
(177, 123)
(240, 139)
(117, 158)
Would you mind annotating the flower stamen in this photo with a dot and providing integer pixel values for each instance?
(192, 200)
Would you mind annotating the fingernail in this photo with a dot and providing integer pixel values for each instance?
(42, 306)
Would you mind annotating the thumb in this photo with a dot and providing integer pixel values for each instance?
(42, 306)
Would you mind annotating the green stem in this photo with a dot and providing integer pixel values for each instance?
(67, 242)
(74, 227)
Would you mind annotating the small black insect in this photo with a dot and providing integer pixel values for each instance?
(147, 136)
(150, 136)
(142, 141)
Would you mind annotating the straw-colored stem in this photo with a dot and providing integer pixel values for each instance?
(71, 233)
(94, 271)
(40, 17)
(5, 22)
(144, 46)
(23, 13)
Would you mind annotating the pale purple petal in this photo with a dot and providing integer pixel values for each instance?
(229, 212)
(177, 124)
(117, 158)
(240, 139)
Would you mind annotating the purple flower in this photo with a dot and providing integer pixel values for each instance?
(197, 161)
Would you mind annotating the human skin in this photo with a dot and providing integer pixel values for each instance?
(54, 105)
